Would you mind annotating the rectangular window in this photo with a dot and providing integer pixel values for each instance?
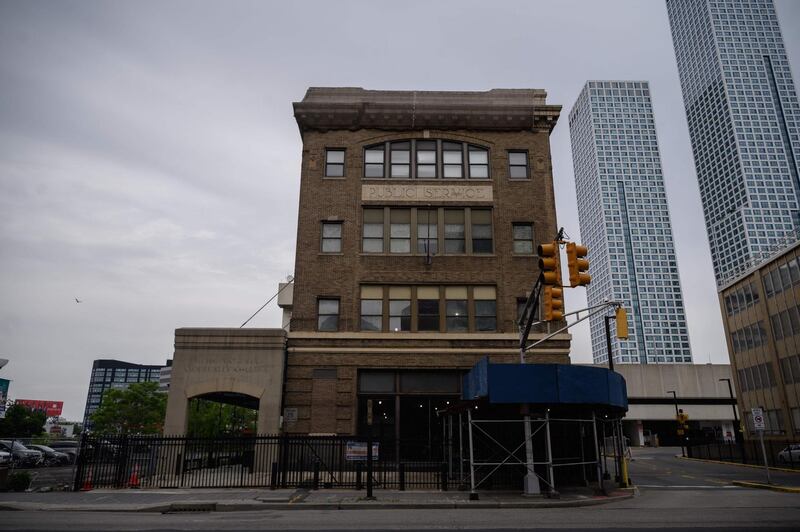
(371, 308)
(426, 159)
(331, 237)
(399, 308)
(401, 160)
(373, 231)
(786, 371)
(481, 230)
(523, 238)
(328, 314)
(428, 308)
(400, 231)
(452, 157)
(518, 165)
(478, 163)
(794, 363)
(454, 231)
(334, 163)
(456, 309)
(373, 162)
(485, 308)
(427, 232)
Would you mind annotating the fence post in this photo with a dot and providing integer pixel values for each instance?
(273, 476)
(359, 485)
(79, 461)
(443, 475)
(401, 472)
(316, 474)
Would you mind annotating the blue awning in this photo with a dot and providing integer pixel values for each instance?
(545, 384)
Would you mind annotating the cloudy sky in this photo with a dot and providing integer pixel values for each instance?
(149, 160)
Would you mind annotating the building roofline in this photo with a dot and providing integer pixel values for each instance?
(760, 264)
(353, 108)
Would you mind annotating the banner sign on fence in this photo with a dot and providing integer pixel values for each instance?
(758, 419)
(4, 383)
(357, 450)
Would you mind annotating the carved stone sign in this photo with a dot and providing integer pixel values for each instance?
(427, 193)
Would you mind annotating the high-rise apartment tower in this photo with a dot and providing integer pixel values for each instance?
(625, 222)
(743, 119)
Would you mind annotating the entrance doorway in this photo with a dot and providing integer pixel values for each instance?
(405, 406)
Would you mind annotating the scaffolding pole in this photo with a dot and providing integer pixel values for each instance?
(473, 495)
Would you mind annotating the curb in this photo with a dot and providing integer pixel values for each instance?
(708, 461)
(197, 507)
(761, 485)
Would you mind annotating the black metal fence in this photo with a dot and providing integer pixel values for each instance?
(283, 461)
(748, 452)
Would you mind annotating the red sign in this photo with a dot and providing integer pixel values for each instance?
(51, 408)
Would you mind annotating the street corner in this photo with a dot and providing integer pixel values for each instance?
(765, 486)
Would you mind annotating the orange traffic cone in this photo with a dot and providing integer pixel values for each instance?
(134, 480)
(87, 482)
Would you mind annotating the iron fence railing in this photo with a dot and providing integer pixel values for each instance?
(274, 461)
(748, 452)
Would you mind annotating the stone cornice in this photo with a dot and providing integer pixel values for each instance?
(325, 109)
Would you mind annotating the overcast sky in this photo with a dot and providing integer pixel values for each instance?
(149, 160)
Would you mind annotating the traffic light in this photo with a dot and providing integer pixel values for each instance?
(622, 323)
(553, 303)
(550, 263)
(578, 265)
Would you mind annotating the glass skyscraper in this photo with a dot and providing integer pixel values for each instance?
(742, 111)
(624, 220)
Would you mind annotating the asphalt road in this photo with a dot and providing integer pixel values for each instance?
(675, 495)
(659, 469)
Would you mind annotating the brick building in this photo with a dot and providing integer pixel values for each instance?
(419, 218)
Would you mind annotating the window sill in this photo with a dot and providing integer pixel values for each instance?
(325, 254)
(422, 256)
(341, 178)
(428, 180)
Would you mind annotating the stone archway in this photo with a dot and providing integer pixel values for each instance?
(240, 361)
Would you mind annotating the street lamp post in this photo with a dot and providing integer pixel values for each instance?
(737, 428)
(677, 419)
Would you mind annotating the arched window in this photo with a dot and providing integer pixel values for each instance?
(426, 159)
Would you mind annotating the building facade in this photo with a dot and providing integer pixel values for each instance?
(625, 223)
(108, 374)
(761, 314)
(419, 219)
(744, 122)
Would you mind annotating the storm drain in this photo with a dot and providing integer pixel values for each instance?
(187, 507)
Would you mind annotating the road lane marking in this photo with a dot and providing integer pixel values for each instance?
(701, 487)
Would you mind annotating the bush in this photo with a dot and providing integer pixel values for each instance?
(19, 481)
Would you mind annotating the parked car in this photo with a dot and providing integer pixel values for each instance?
(6, 458)
(68, 447)
(51, 456)
(790, 454)
(23, 456)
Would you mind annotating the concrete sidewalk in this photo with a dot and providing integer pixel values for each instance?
(234, 500)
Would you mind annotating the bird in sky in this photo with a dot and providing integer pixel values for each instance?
(78, 300)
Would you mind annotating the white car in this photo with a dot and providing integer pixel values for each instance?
(785, 458)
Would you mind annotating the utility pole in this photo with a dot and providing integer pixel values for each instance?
(608, 319)
(737, 428)
(677, 420)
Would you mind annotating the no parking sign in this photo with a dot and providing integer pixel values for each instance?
(758, 419)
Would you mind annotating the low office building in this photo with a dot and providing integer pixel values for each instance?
(701, 391)
(761, 314)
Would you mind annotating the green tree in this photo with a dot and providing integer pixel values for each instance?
(22, 422)
(137, 409)
(211, 418)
